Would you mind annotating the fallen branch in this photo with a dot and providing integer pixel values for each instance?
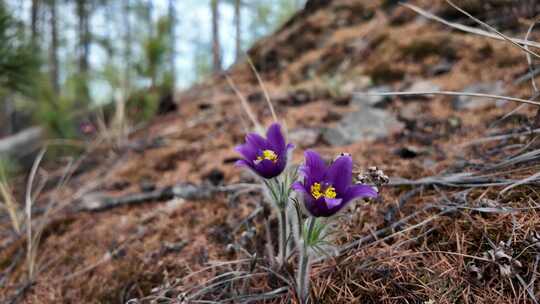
(26, 141)
(185, 191)
(98, 202)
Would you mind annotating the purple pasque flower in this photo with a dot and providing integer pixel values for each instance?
(327, 189)
(267, 157)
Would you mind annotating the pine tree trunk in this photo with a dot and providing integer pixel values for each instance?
(216, 50)
(238, 26)
(54, 48)
(34, 15)
(84, 35)
(127, 45)
(172, 33)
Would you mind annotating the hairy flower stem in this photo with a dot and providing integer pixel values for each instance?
(303, 270)
(282, 235)
(279, 194)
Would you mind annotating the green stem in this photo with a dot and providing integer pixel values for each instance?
(303, 273)
(282, 235)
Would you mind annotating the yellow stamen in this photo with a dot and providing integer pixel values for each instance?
(316, 190)
(329, 192)
(269, 155)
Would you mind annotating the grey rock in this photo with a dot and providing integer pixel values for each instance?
(334, 137)
(473, 103)
(366, 124)
(441, 68)
(410, 111)
(304, 137)
(373, 100)
(421, 86)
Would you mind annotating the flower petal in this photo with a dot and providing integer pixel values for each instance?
(248, 151)
(339, 174)
(290, 147)
(244, 163)
(314, 168)
(315, 207)
(299, 187)
(257, 141)
(333, 203)
(275, 138)
(268, 169)
(359, 191)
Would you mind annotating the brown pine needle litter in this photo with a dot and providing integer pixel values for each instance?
(458, 222)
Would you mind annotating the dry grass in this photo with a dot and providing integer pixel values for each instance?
(8, 202)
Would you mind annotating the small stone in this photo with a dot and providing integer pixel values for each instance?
(367, 124)
(421, 86)
(410, 111)
(334, 137)
(441, 68)
(474, 103)
(304, 137)
(376, 101)
(147, 186)
(174, 247)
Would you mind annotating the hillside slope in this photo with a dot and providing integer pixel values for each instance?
(147, 219)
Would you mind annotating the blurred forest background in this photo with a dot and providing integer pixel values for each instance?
(71, 68)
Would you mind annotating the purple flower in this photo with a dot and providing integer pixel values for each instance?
(266, 157)
(327, 189)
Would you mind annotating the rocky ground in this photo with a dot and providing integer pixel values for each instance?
(151, 218)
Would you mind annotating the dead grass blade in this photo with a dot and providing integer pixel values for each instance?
(255, 298)
(469, 29)
(498, 137)
(532, 178)
(9, 202)
(529, 58)
(451, 93)
(489, 27)
(245, 105)
(31, 248)
(263, 87)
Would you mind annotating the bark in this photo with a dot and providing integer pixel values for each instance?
(216, 49)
